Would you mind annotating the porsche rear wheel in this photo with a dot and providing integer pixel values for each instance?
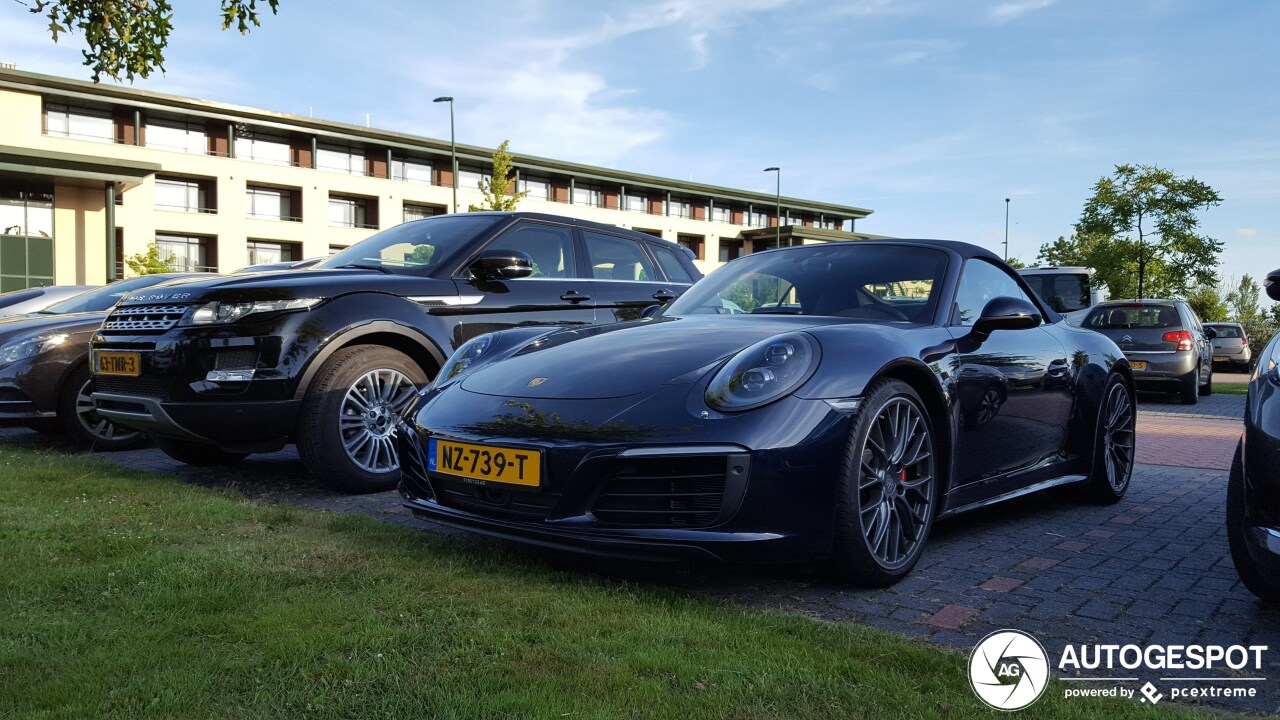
(1113, 446)
(888, 489)
(1251, 574)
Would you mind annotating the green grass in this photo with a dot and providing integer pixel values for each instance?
(1230, 388)
(129, 595)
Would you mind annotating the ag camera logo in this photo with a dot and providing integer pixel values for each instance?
(1009, 670)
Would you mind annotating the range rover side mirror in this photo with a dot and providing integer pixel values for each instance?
(1006, 313)
(502, 264)
(1272, 285)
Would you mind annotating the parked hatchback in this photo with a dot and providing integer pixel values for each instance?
(1165, 342)
(328, 357)
(1231, 345)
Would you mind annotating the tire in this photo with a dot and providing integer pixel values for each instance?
(197, 454)
(1206, 389)
(1265, 587)
(346, 430)
(81, 422)
(1190, 393)
(1113, 443)
(888, 489)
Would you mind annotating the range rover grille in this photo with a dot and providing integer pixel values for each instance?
(143, 318)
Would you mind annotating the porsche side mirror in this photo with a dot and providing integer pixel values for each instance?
(1272, 285)
(505, 264)
(1006, 313)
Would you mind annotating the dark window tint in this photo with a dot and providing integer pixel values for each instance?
(617, 258)
(416, 247)
(1063, 292)
(549, 246)
(980, 282)
(1133, 316)
(670, 263)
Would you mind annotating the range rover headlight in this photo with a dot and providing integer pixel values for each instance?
(30, 347)
(466, 356)
(763, 373)
(220, 313)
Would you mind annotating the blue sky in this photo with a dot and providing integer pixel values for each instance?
(928, 112)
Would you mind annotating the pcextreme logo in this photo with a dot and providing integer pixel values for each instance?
(1009, 670)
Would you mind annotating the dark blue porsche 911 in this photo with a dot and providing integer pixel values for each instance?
(823, 402)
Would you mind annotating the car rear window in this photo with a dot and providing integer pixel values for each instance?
(1133, 316)
(1227, 331)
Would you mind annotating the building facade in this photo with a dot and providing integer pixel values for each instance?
(93, 174)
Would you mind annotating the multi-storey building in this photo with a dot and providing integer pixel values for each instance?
(92, 174)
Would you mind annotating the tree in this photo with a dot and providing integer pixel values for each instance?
(1207, 303)
(1146, 216)
(149, 262)
(1112, 267)
(127, 38)
(1015, 263)
(1243, 301)
(497, 191)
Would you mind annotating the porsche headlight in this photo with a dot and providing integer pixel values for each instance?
(466, 356)
(763, 373)
(30, 347)
(220, 313)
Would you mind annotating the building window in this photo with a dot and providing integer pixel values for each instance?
(177, 135)
(635, 203)
(677, 207)
(828, 224)
(335, 249)
(418, 212)
(265, 203)
(469, 178)
(79, 123)
(693, 242)
(415, 171)
(343, 160)
(757, 219)
(186, 252)
(730, 250)
(721, 214)
(263, 149)
(587, 195)
(178, 195)
(348, 212)
(262, 252)
(538, 188)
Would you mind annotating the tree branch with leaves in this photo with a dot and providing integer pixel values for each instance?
(127, 38)
(497, 190)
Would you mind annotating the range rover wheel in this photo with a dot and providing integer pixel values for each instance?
(1259, 583)
(82, 423)
(198, 454)
(1113, 445)
(347, 430)
(888, 490)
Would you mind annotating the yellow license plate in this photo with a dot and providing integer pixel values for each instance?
(116, 363)
(491, 463)
(1138, 365)
(1220, 358)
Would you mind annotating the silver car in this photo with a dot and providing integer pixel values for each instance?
(1231, 345)
(1164, 341)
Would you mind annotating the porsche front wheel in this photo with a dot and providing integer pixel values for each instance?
(888, 490)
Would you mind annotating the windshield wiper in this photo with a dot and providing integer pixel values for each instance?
(777, 311)
(367, 266)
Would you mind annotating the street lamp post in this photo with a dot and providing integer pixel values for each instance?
(453, 151)
(777, 236)
(1006, 229)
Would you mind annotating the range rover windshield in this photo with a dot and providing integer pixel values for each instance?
(414, 248)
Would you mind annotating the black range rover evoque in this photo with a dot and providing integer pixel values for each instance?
(326, 358)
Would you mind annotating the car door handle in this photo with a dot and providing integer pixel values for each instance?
(1058, 368)
(664, 295)
(574, 297)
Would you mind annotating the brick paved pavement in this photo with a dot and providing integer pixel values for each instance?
(1152, 569)
(1219, 405)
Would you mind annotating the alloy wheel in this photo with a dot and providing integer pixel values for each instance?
(988, 406)
(895, 484)
(368, 416)
(94, 424)
(1118, 436)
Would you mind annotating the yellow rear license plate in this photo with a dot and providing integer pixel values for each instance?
(116, 363)
(491, 463)
(1138, 365)
(1220, 358)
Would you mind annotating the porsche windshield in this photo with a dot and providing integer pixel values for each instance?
(869, 281)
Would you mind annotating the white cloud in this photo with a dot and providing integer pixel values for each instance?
(1247, 232)
(1009, 11)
